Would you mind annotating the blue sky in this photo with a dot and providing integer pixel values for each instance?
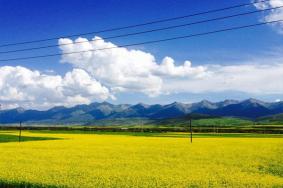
(32, 20)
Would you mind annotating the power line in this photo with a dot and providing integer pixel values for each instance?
(147, 42)
(144, 32)
(137, 25)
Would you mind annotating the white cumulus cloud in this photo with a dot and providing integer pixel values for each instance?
(248, 78)
(100, 75)
(275, 14)
(122, 70)
(23, 87)
(168, 69)
(127, 70)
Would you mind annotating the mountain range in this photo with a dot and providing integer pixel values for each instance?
(249, 109)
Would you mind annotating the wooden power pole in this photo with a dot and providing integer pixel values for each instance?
(142, 126)
(191, 130)
(20, 133)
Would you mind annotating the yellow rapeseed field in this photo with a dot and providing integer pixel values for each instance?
(96, 160)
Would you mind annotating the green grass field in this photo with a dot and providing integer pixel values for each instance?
(64, 159)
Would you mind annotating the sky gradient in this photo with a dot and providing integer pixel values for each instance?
(231, 65)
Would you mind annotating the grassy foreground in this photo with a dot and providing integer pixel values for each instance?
(157, 160)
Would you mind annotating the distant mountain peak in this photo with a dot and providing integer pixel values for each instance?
(106, 103)
(205, 102)
(227, 102)
(143, 105)
(177, 104)
(20, 109)
(253, 100)
(58, 108)
(230, 101)
(250, 108)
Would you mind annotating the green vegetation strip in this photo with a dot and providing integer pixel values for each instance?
(15, 138)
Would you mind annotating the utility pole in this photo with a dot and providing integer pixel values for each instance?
(141, 125)
(191, 130)
(20, 133)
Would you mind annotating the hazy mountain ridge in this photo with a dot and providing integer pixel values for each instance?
(250, 108)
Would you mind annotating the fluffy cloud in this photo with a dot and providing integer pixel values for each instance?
(100, 74)
(247, 78)
(122, 69)
(276, 14)
(168, 69)
(125, 70)
(20, 86)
